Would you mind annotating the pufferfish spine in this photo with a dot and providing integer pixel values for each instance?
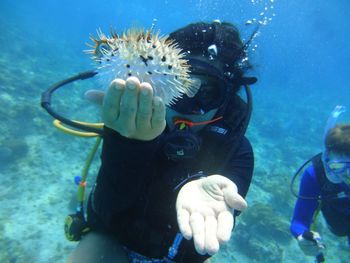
(149, 57)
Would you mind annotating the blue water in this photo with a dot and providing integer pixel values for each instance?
(301, 58)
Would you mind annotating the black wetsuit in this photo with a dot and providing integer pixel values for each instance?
(134, 198)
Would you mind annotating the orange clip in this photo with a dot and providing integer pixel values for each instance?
(82, 183)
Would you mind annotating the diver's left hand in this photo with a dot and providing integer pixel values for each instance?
(205, 211)
(95, 96)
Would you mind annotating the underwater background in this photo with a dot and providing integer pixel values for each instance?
(301, 58)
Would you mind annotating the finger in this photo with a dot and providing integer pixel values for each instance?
(198, 232)
(225, 225)
(233, 199)
(158, 115)
(183, 220)
(95, 96)
(128, 107)
(211, 241)
(111, 101)
(144, 112)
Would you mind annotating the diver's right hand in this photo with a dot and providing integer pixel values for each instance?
(130, 109)
(310, 243)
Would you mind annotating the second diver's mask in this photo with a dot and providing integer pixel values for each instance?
(337, 167)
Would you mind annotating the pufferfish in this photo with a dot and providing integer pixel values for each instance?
(149, 57)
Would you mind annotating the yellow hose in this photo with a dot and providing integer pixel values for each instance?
(82, 184)
(59, 125)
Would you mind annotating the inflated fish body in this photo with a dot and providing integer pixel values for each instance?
(147, 56)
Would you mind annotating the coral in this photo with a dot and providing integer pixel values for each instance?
(261, 234)
(13, 252)
(272, 226)
(280, 192)
(13, 149)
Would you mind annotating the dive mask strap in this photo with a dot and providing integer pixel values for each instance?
(183, 122)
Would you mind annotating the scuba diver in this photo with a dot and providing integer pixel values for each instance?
(324, 187)
(173, 179)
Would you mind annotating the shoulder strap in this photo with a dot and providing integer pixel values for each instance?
(319, 170)
(238, 111)
(244, 122)
(232, 128)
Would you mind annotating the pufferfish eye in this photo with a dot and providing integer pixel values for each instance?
(104, 48)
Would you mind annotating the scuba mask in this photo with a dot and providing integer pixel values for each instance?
(337, 169)
(212, 90)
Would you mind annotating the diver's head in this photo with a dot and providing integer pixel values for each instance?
(215, 52)
(217, 44)
(337, 154)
